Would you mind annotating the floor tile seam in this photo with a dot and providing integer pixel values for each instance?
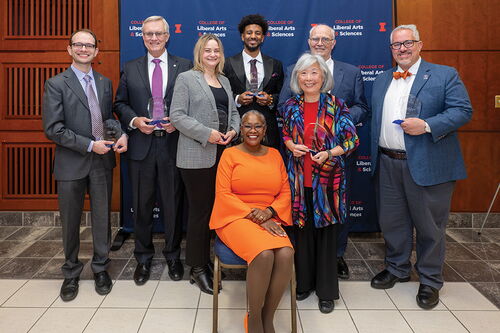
(90, 319)
(299, 320)
(465, 327)
(15, 292)
(121, 272)
(40, 269)
(197, 311)
(350, 315)
(13, 232)
(364, 261)
(38, 319)
(142, 319)
(6, 262)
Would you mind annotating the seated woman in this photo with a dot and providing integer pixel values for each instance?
(252, 200)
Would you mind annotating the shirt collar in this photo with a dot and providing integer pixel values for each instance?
(414, 68)
(163, 57)
(247, 57)
(80, 75)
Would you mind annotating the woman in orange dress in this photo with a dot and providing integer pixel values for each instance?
(252, 201)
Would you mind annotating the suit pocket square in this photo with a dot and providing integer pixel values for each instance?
(275, 74)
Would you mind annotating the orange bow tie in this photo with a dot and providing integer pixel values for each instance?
(398, 75)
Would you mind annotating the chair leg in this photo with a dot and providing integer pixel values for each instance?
(293, 301)
(215, 305)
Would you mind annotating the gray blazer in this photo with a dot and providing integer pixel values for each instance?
(66, 121)
(194, 113)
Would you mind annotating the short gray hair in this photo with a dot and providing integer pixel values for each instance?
(411, 27)
(256, 113)
(305, 61)
(324, 25)
(156, 18)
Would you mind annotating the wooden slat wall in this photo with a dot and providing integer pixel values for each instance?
(33, 41)
(465, 34)
(46, 18)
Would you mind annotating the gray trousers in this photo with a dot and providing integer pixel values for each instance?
(71, 195)
(403, 205)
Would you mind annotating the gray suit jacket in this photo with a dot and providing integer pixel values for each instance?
(194, 113)
(66, 121)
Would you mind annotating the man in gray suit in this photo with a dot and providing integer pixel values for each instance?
(417, 109)
(153, 148)
(75, 105)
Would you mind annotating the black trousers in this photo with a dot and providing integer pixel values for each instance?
(71, 195)
(156, 171)
(316, 256)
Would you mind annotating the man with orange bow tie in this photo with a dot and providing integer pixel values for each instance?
(417, 108)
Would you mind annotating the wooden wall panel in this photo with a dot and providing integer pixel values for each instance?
(482, 155)
(33, 40)
(453, 24)
(465, 34)
(47, 24)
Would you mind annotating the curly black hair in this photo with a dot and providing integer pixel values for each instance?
(253, 19)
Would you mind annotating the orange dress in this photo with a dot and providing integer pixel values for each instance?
(245, 181)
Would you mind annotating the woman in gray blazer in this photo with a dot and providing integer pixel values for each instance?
(204, 112)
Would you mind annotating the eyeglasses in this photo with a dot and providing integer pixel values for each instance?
(157, 34)
(80, 46)
(324, 40)
(407, 43)
(257, 127)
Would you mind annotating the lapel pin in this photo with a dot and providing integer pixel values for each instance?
(426, 77)
(175, 65)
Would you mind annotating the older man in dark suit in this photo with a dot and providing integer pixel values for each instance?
(152, 147)
(75, 104)
(417, 109)
(347, 85)
(256, 79)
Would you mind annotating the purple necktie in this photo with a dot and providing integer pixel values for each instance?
(157, 89)
(95, 109)
(254, 80)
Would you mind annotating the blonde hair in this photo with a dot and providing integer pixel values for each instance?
(198, 52)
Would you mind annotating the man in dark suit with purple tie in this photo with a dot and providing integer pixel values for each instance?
(152, 147)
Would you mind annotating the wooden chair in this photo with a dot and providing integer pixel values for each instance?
(226, 258)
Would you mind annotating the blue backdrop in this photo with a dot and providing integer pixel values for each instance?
(362, 32)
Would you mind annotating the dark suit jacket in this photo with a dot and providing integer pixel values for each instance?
(272, 83)
(347, 85)
(433, 158)
(67, 122)
(132, 96)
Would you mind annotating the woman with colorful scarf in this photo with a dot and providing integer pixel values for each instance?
(318, 133)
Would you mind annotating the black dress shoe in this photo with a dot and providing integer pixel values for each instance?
(326, 306)
(103, 283)
(175, 269)
(142, 273)
(69, 289)
(386, 280)
(342, 269)
(300, 296)
(200, 276)
(427, 297)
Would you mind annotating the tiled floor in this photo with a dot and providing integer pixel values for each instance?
(30, 260)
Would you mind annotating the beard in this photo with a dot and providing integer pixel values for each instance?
(253, 48)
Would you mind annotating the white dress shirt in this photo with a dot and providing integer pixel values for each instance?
(395, 103)
(259, 64)
(164, 72)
